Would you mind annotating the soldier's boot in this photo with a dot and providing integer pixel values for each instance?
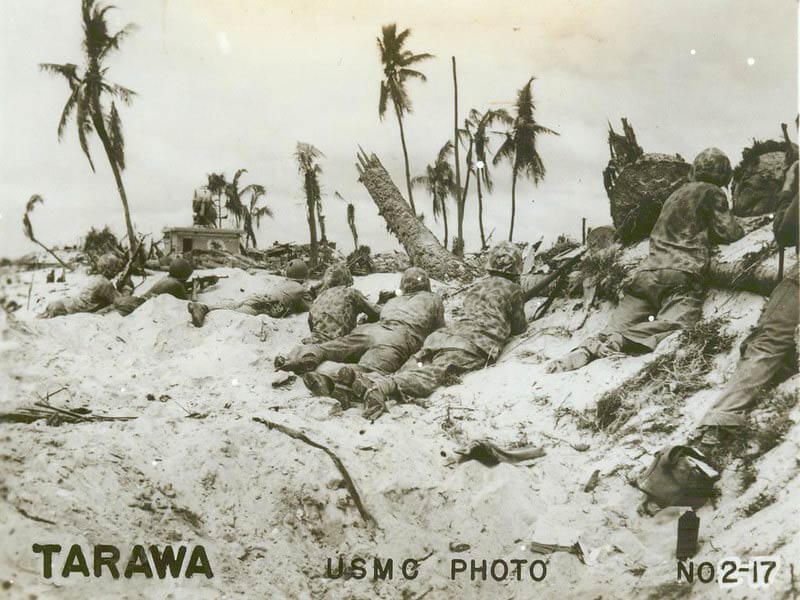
(298, 364)
(318, 384)
(376, 396)
(574, 360)
(198, 312)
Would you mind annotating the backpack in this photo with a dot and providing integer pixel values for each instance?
(678, 476)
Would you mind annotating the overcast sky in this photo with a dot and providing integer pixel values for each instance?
(226, 84)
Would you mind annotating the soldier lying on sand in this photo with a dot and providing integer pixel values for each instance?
(770, 347)
(492, 312)
(667, 292)
(173, 284)
(98, 293)
(290, 297)
(335, 311)
(382, 347)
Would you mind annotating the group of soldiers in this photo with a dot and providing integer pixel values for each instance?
(403, 349)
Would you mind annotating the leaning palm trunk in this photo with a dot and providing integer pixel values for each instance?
(405, 158)
(97, 121)
(513, 205)
(421, 245)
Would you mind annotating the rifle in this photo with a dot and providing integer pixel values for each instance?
(199, 283)
(565, 268)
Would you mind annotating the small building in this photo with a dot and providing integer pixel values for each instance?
(185, 239)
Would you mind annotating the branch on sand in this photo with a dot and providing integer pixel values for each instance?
(420, 244)
(348, 481)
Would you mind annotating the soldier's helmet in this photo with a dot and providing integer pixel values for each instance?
(505, 258)
(337, 274)
(297, 270)
(109, 265)
(414, 279)
(181, 269)
(712, 166)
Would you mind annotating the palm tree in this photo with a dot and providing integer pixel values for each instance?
(480, 141)
(396, 62)
(88, 92)
(519, 147)
(217, 185)
(254, 213)
(439, 181)
(308, 167)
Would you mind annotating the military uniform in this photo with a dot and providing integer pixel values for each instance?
(405, 321)
(335, 311)
(290, 297)
(493, 311)
(98, 293)
(765, 351)
(667, 292)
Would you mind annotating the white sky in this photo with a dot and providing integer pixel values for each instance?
(229, 84)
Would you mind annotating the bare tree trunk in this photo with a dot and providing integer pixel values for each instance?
(480, 211)
(444, 217)
(459, 245)
(97, 121)
(513, 204)
(405, 157)
(421, 245)
(312, 228)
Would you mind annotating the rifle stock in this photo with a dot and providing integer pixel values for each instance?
(550, 278)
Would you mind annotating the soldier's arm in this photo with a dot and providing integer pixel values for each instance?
(519, 324)
(723, 227)
(786, 217)
(363, 305)
(439, 313)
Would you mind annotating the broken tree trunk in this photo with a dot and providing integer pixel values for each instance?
(421, 245)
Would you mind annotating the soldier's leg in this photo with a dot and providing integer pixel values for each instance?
(630, 311)
(679, 310)
(346, 349)
(764, 354)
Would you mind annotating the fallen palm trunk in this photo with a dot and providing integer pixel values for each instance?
(421, 245)
(348, 481)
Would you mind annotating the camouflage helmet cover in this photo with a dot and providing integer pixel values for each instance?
(297, 269)
(337, 274)
(109, 265)
(414, 279)
(712, 166)
(181, 269)
(506, 258)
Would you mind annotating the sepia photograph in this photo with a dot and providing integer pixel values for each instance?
(378, 300)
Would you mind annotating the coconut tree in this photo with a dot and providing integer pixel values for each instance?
(519, 147)
(90, 92)
(217, 185)
(439, 181)
(307, 157)
(253, 213)
(481, 122)
(396, 61)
